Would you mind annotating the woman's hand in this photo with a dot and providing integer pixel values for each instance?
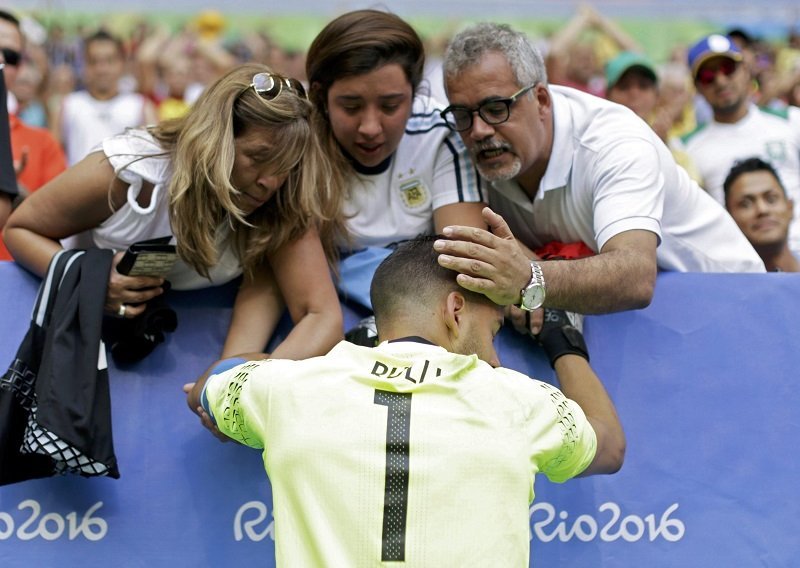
(127, 296)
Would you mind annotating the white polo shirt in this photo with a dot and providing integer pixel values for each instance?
(431, 168)
(608, 173)
(770, 135)
(86, 121)
(400, 453)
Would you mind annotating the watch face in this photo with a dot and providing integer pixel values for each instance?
(533, 297)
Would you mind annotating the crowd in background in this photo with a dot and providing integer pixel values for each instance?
(171, 67)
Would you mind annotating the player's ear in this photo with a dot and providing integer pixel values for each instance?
(454, 309)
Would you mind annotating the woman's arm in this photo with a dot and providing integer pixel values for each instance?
(467, 214)
(75, 201)
(256, 313)
(299, 279)
(304, 278)
(78, 200)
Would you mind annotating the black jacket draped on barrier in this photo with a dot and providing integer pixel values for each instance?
(55, 405)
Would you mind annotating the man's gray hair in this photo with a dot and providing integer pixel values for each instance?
(468, 46)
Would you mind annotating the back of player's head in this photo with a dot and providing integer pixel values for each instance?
(411, 279)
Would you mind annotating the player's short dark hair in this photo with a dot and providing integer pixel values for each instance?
(412, 276)
(747, 166)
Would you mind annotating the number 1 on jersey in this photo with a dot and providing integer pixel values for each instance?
(395, 501)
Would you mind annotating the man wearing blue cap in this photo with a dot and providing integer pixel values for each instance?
(739, 128)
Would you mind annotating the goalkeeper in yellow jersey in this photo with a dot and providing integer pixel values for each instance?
(421, 450)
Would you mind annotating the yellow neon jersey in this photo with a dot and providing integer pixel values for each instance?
(400, 453)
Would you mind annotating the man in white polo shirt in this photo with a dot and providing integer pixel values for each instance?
(567, 166)
(420, 450)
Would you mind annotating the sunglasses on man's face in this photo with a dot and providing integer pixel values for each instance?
(269, 85)
(11, 56)
(708, 75)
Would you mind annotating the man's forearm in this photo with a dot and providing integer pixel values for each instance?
(604, 283)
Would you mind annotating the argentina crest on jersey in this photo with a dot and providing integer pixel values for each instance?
(413, 192)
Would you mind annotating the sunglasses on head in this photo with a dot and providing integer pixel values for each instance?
(11, 56)
(269, 85)
(707, 75)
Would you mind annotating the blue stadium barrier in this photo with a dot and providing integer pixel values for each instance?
(703, 379)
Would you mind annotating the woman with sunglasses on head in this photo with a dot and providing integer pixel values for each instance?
(240, 182)
(403, 171)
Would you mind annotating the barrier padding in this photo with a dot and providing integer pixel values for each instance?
(705, 381)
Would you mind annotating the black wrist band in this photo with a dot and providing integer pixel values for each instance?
(564, 340)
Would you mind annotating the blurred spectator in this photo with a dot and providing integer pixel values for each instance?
(758, 203)
(60, 49)
(8, 179)
(27, 89)
(293, 64)
(176, 76)
(163, 73)
(37, 156)
(758, 58)
(632, 81)
(676, 94)
(739, 128)
(89, 116)
(578, 51)
(746, 44)
(61, 81)
(209, 25)
(203, 43)
(785, 86)
(433, 79)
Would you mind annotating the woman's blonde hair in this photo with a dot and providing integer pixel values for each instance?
(201, 147)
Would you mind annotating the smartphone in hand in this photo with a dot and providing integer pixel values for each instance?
(148, 258)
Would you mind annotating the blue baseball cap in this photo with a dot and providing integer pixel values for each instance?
(715, 45)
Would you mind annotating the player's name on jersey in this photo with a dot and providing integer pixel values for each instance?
(412, 373)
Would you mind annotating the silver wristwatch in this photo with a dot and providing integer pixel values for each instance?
(532, 295)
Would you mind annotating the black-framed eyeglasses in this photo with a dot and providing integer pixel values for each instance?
(491, 111)
(270, 85)
(11, 56)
